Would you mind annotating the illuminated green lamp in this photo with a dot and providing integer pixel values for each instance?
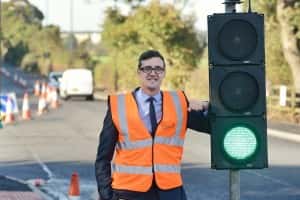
(240, 143)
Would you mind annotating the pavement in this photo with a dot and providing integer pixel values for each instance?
(13, 189)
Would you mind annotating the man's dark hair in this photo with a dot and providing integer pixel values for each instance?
(150, 54)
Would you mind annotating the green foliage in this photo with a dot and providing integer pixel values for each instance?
(152, 27)
(104, 75)
(30, 63)
(278, 71)
(198, 83)
(27, 43)
(293, 16)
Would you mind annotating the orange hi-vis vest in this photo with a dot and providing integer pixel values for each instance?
(139, 157)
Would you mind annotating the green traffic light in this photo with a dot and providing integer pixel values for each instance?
(240, 143)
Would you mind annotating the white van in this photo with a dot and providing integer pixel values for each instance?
(77, 82)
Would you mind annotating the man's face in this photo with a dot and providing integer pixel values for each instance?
(151, 73)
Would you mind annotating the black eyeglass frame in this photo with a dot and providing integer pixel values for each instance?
(148, 69)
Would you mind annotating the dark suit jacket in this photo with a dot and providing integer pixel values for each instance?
(107, 141)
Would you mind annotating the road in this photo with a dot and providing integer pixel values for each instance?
(54, 145)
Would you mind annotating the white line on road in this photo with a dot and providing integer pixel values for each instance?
(55, 189)
(284, 135)
(274, 180)
(43, 165)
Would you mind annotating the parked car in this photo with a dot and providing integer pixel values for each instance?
(77, 82)
(54, 79)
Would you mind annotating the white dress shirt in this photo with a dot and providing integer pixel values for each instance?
(143, 106)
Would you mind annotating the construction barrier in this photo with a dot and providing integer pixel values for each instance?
(4, 98)
(9, 111)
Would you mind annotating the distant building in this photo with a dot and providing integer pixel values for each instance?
(81, 36)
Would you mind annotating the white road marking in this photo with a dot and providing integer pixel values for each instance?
(274, 180)
(284, 135)
(43, 165)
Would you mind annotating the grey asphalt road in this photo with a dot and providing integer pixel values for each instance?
(54, 145)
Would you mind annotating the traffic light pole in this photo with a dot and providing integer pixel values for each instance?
(230, 5)
(234, 175)
(234, 184)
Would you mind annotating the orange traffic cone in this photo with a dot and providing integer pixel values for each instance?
(9, 115)
(54, 99)
(44, 90)
(74, 192)
(26, 114)
(48, 94)
(37, 88)
(42, 105)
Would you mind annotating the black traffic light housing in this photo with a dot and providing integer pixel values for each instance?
(237, 91)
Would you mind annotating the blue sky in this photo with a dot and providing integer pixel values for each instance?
(88, 14)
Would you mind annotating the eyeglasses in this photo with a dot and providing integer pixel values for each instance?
(149, 69)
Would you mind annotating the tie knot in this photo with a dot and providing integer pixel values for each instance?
(150, 99)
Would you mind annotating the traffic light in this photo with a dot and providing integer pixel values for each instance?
(237, 91)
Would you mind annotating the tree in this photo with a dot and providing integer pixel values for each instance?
(278, 70)
(288, 15)
(27, 43)
(154, 26)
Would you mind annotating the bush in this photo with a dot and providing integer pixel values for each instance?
(30, 63)
(104, 77)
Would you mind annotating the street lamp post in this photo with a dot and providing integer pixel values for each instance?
(0, 51)
(0, 33)
(71, 42)
(71, 23)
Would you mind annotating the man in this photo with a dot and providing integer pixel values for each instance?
(144, 130)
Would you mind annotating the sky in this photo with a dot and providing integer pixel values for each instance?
(89, 14)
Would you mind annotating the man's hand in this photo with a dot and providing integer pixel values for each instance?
(198, 105)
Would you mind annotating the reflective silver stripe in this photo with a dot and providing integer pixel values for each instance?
(131, 169)
(122, 116)
(179, 112)
(175, 141)
(134, 145)
(167, 168)
(127, 144)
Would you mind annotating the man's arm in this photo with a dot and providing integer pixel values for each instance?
(107, 141)
(198, 121)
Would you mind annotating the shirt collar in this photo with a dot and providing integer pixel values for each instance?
(143, 96)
